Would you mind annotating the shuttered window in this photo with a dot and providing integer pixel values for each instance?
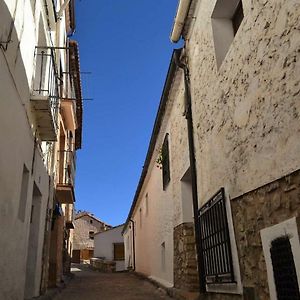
(119, 251)
(165, 162)
(284, 270)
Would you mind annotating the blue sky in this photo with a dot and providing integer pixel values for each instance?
(125, 44)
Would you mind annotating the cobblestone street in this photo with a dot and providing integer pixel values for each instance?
(92, 285)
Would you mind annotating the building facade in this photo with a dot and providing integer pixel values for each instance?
(40, 121)
(225, 205)
(86, 226)
(109, 246)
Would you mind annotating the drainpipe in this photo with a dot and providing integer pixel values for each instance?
(133, 244)
(189, 118)
(62, 8)
(182, 11)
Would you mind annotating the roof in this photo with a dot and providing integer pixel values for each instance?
(157, 124)
(88, 214)
(109, 229)
(75, 71)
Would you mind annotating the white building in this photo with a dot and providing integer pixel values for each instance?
(36, 110)
(109, 245)
(216, 210)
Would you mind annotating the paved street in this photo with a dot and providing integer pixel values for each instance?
(93, 285)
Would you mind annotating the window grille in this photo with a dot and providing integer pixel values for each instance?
(284, 270)
(165, 162)
(216, 248)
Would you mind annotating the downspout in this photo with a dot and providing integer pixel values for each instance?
(189, 118)
(133, 245)
(182, 11)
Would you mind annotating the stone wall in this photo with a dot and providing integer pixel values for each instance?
(185, 263)
(254, 211)
(246, 112)
(102, 265)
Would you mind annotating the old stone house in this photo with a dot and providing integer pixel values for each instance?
(86, 226)
(220, 217)
(40, 129)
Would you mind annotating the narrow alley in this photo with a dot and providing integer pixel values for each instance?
(89, 284)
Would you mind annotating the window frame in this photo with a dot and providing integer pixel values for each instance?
(215, 240)
(114, 251)
(165, 153)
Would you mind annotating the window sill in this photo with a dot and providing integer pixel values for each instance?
(226, 288)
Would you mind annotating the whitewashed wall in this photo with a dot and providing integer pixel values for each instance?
(21, 242)
(104, 245)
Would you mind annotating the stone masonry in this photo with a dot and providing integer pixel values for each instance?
(254, 211)
(185, 264)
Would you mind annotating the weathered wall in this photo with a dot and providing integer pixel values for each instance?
(185, 263)
(17, 151)
(246, 113)
(166, 209)
(81, 238)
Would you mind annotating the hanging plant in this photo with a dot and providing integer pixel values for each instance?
(159, 160)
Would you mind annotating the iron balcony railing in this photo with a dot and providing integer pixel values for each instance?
(46, 79)
(67, 165)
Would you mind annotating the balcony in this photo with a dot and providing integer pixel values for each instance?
(65, 186)
(45, 94)
(68, 105)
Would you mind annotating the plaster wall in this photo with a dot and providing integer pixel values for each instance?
(159, 211)
(21, 241)
(104, 245)
(246, 112)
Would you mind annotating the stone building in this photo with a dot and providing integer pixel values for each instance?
(86, 226)
(221, 217)
(40, 129)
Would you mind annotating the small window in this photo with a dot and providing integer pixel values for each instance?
(216, 241)
(163, 256)
(141, 218)
(146, 205)
(165, 162)
(23, 194)
(226, 19)
(119, 251)
(284, 270)
(91, 235)
(91, 221)
(237, 17)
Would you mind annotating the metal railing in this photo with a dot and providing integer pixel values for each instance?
(46, 79)
(67, 165)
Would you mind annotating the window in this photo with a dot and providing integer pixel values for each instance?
(216, 247)
(281, 247)
(227, 17)
(119, 251)
(163, 256)
(146, 204)
(237, 17)
(140, 212)
(91, 221)
(165, 162)
(91, 235)
(284, 270)
(23, 194)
